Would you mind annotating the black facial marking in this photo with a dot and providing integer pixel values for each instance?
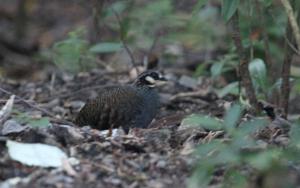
(141, 80)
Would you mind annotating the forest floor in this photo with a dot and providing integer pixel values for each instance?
(47, 100)
(157, 157)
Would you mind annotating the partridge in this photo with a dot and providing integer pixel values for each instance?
(128, 106)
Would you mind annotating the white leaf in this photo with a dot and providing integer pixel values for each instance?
(36, 154)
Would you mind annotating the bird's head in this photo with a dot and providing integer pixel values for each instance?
(150, 79)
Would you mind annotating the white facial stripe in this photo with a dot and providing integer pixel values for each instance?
(150, 79)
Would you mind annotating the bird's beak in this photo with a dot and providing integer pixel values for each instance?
(161, 81)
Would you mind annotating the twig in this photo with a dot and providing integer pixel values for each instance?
(69, 94)
(243, 66)
(148, 54)
(123, 40)
(156, 39)
(188, 94)
(36, 107)
(289, 43)
(292, 20)
(6, 109)
(52, 82)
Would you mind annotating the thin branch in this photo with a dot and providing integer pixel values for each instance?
(74, 93)
(148, 54)
(243, 66)
(37, 107)
(292, 20)
(289, 43)
(123, 40)
(156, 39)
(197, 93)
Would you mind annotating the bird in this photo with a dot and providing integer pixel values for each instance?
(278, 126)
(129, 106)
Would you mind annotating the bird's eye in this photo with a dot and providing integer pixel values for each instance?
(154, 75)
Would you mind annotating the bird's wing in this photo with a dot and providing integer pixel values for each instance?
(115, 106)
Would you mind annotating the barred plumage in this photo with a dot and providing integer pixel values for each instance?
(127, 106)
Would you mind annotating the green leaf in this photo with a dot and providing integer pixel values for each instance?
(231, 88)
(232, 117)
(267, 3)
(106, 47)
(249, 127)
(227, 156)
(72, 53)
(118, 7)
(39, 123)
(258, 73)
(216, 69)
(204, 149)
(124, 27)
(234, 179)
(244, 102)
(201, 176)
(295, 134)
(228, 8)
(199, 5)
(206, 122)
(200, 70)
(265, 159)
(242, 136)
(24, 118)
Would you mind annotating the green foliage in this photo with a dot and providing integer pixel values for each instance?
(199, 5)
(106, 47)
(234, 156)
(269, 19)
(232, 117)
(231, 88)
(229, 7)
(224, 64)
(142, 22)
(24, 118)
(203, 121)
(72, 54)
(117, 7)
(258, 73)
(76, 54)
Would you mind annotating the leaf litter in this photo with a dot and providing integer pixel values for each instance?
(161, 156)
